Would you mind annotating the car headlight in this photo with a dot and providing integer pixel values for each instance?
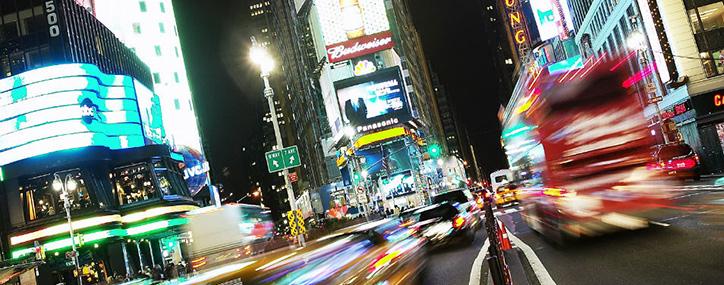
(582, 206)
(438, 230)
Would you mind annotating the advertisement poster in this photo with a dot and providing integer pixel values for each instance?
(372, 101)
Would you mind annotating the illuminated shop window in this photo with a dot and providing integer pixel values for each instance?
(169, 178)
(707, 22)
(40, 200)
(133, 183)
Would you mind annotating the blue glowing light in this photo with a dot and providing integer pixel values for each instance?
(74, 105)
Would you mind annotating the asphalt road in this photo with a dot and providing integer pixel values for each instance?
(690, 250)
(452, 265)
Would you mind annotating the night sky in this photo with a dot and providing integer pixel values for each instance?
(227, 89)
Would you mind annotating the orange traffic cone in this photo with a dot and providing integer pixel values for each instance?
(503, 237)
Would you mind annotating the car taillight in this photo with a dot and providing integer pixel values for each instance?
(685, 163)
(458, 222)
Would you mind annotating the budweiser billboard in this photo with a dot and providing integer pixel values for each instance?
(360, 46)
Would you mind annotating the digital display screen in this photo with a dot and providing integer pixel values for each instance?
(372, 101)
(70, 106)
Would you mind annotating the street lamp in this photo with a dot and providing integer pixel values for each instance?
(350, 133)
(261, 57)
(255, 194)
(65, 188)
(637, 41)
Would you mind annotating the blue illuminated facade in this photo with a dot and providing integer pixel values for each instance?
(74, 105)
(75, 102)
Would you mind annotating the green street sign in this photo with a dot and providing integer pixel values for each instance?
(278, 160)
(291, 157)
(274, 161)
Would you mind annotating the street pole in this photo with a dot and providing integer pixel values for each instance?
(67, 206)
(269, 94)
(358, 166)
(475, 163)
(653, 98)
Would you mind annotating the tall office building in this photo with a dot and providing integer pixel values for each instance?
(148, 28)
(77, 109)
(278, 26)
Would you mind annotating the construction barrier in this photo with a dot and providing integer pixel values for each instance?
(499, 242)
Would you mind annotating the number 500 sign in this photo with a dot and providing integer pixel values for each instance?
(52, 17)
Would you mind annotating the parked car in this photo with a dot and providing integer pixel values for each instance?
(677, 160)
(441, 224)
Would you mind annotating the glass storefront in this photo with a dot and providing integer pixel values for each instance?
(41, 200)
(707, 22)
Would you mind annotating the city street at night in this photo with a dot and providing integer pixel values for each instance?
(361, 142)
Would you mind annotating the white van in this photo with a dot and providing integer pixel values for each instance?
(500, 178)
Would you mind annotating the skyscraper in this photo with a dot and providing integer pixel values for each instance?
(148, 27)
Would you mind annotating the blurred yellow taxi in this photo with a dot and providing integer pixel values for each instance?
(506, 195)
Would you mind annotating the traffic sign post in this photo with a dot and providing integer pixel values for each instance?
(286, 158)
(291, 157)
(274, 161)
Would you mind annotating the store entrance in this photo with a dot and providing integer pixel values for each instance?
(712, 138)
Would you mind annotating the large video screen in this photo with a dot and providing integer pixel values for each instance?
(70, 106)
(373, 101)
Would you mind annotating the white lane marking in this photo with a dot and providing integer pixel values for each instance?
(475, 273)
(540, 271)
(659, 223)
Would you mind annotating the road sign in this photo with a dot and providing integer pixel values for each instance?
(293, 177)
(300, 222)
(291, 157)
(278, 160)
(274, 161)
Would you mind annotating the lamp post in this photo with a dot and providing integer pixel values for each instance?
(262, 58)
(637, 41)
(350, 133)
(256, 193)
(65, 187)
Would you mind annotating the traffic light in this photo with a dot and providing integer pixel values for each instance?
(434, 150)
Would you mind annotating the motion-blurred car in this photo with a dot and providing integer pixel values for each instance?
(506, 195)
(380, 252)
(676, 160)
(468, 207)
(441, 224)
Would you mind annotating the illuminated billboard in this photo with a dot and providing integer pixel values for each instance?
(547, 19)
(374, 100)
(353, 28)
(74, 105)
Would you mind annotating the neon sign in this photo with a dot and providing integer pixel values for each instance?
(517, 25)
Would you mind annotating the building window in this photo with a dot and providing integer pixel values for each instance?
(175, 77)
(133, 183)
(158, 50)
(163, 7)
(177, 103)
(142, 6)
(161, 28)
(707, 22)
(137, 28)
(40, 200)
(175, 49)
(156, 78)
